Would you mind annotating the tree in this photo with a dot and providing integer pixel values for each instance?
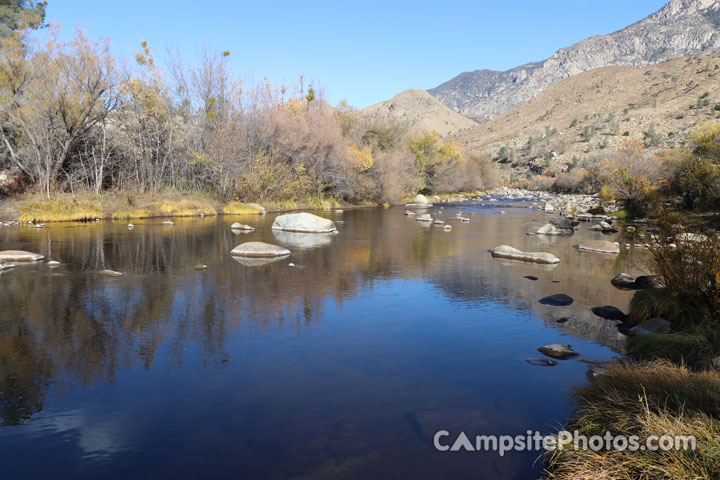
(50, 99)
(18, 14)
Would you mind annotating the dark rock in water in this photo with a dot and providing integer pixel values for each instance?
(648, 281)
(556, 281)
(531, 277)
(609, 312)
(564, 223)
(623, 281)
(561, 351)
(541, 362)
(563, 320)
(557, 300)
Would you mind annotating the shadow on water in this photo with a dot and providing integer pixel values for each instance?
(344, 365)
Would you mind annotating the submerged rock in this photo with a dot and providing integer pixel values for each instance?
(609, 312)
(624, 281)
(557, 300)
(259, 250)
(110, 273)
(424, 218)
(505, 251)
(20, 256)
(53, 264)
(531, 277)
(304, 223)
(541, 362)
(200, 267)
(6, 265)
(600, 246)
(241, 227)
(408, 213)
(561, 351)
(551, 229)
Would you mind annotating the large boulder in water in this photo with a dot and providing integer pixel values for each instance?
(421, 199)
(303, 223)
(600, 246)
(20, 256)
(505, 251)
(259, 250)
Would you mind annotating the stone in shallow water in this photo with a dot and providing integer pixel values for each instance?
(551, 229)
(531, 277)
(505, 251)
(561, 351)
(53, 263)
(600, 246)
(20, 256)
(110, 273)
(241, 227)
(624, 281)
(200, 267)
(609, 312)
(557, 300)
(303, 222)
(563, 319)
(541, 362)
(259, 250)
(6, 265)
(424, 218)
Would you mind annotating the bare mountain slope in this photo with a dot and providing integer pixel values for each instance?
(590, 113)
(421, 111)
(680, 28)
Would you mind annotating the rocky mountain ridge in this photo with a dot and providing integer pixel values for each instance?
(680, 28)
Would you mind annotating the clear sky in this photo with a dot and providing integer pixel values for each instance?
(364, 51)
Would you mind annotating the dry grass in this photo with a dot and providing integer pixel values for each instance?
(239, 208)
(644, 400)
(60, 209)
(184, 208)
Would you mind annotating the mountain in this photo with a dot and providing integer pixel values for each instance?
(589, 114)
(680, 28)
(420, 111)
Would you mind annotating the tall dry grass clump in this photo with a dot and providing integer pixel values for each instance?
(645, 400)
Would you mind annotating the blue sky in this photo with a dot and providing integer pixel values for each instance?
(365, 51)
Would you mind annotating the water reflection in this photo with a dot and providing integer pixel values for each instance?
(303, 240)
(341, 367)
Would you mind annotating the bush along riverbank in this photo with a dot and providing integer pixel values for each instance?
(669, 381)
(35, 208)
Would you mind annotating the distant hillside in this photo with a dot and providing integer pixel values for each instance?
(680, 28)
(591, 113)
(421, 111)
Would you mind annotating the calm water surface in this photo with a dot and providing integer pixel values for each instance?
(343, 367)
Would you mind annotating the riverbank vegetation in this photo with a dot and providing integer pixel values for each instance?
(77, 121)
(667, 384)
(686, 177)
(646, 400)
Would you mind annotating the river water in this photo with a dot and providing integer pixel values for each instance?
(343, 366)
